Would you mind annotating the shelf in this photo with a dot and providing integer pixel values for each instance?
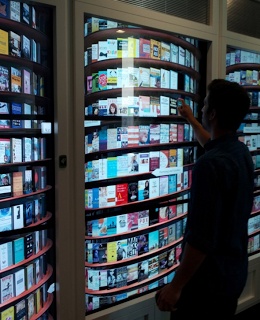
(32, 289)
(130, 91)
(20, 164)
(22, 28)
(140, 62)
(139, 33)
(31, 258)
(135, 259)
(242, 66)
(26, 195)
(45, 307)
(134, 232)
(8, 96)
(139, 204)
(135, 285)
(18, 62)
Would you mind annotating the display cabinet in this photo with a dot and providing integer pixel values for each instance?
(26, 161)
(138, 157)
(243, 67)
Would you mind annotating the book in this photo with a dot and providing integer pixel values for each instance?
(132, 273)
(19, 282)
(4, 41)
(4, 79)
(144, 134)
(122, 48)
(112, 251)
(14, 44)
(133, 136)
(15, 11)
(28, 213)
(143, 189)
(133, 162)
(154, 158)
(25, 12)
(121, 249)
(18, 249)
(29, 274)
(153, 266)
(132, 243)
(122, 223)
(154, 133)
(143, 219)
(143, 244)
(5, 219)
(7, 288)
(111, 78)
(5, 185)
(26, 81)
(144, 48)
(165, 51)
(142, 270)
(27, 181)
(155, 77)
(17, 108)
(121, 194)
(163, 185)
(8, 314)
(18, 218)
(17, 184)
(27, 149)
(153, 240)
(4, 108)
(165, 78)
(26, 47)
(144, 106)
(155, 49)
(132, 221)
(30, 305)
(132, 191)
(144, 77)
(102, 50)
(20, 310)
(5, 153)
(111, 48)
(4, 8)
(6, 255)
(111, 278)
(163, 237)
(163, 261)
(154, 187)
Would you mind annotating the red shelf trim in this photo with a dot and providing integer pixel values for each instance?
(44, 308)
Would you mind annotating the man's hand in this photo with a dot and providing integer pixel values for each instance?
(167, 297)
(185, 110)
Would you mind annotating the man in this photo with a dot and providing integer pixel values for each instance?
(214, 261)
(121, 253)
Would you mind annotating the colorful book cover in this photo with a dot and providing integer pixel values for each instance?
(111, 225)
(121, 223)
(121, 249)
(111, 78)
(163, 237)
(163, 185)
(143, 219)
(133, 163)
(143, 244)
(16, 80)
(17, 184)
(154, 160)
(153, 240)
(144, 106)
(132, 221)
(6, 255)
(154, 133)
(144, 48)
(20, 310)
(143, 189)
(144, 134)
(142, 270)
(133, 191)
(121, 280)
(132, 243)
(155, 48)
(5, 150)
(165, 51)
(132, 273)
(112, 251)
(4, 37)
(172, 180)
(154, 187)
(144, 77)
(7, 288)
(4, 108)
(163, 262)
(122, 165)
(5, 219)
(133, 136)
(4, 79)
(155, 77)
(102, 80)
(26, 47)
(153, 267)
(121, 193)
(8, 314)
(18, 250)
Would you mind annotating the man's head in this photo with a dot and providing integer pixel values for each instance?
(226, 104)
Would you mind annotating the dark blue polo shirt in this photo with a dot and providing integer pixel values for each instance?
(220, 204)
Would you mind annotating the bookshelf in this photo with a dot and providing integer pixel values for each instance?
(242, 66)
(26, 157)
(138, 157)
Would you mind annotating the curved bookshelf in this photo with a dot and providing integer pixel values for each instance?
(33, 257)
(18, 61)
(139, 32)
(45, 307)
(92, 97)
(32, 289)
(134, 232)
(25, 97)
(141, 62)
(22, 28)
(151, 201)
(136, 258)
(134, 285)
(242, 66)
(29, 163)
(27, 195)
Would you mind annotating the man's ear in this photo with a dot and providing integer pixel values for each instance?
(212, 114)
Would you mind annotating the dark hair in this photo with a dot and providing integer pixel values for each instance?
(230, 101)
(114, 106)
